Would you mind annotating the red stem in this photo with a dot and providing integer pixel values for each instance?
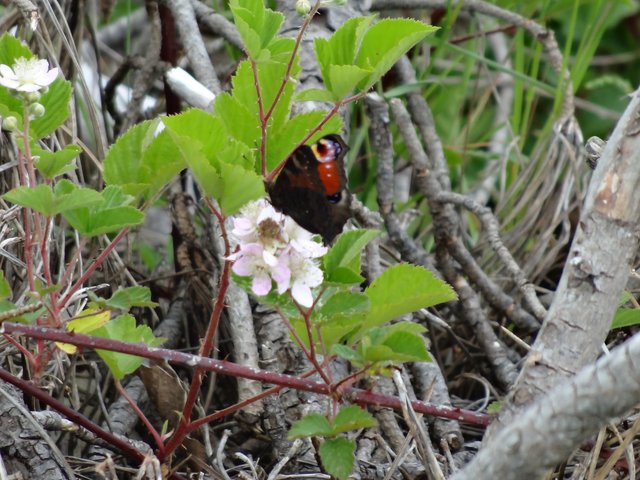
(223, 367)
(143, 418)
(33, 391)
(93, 266)
(303, 28)
(207, 345)
(263, 119)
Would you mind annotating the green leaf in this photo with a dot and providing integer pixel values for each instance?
(5, 289)
(240, 186)
(626, 317)
(39, 198)
(52, 164)
(232, 185)
(385, 42)
(310, 425)
(315, 95)
(43, 199)
(122, 164)
(344, 79)
(341, 48)
(348, 353)
(346, 253)
(68, 197)
(403, 289)
(352, 418)
(408, 345)
(125, 298)
(110, 215)
(344, 276)
(337, 455)
(213, 139)
(11, 49)
(238, 120)
(124, 328)
(56, 103)
(256, 24)
(344, 303)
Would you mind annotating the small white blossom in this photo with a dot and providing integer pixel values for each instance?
(27, 75)
(250, 261)
(302, 241)
(273, 248)
(305, 275)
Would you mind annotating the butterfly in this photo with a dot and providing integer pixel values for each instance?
(312, 188)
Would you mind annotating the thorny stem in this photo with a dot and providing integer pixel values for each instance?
(310, 354)
(207, 345)
(154, 433)
(223, 367)
(264, 117)
(229, 410)
(98, 261)
(287, 75)
(22, 174)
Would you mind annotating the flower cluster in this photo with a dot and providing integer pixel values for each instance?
(27, 75)
(272, 247)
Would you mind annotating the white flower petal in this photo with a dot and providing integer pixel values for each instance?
(261, 284)
(302, 294)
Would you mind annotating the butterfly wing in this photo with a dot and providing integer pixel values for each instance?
(301, 189)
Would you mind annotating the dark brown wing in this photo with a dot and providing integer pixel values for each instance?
(299, 192)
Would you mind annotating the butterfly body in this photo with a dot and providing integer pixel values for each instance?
(312, 187)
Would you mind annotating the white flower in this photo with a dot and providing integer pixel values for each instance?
(258, 223)
(305, 275)
(27, 75)
(302, 241)
(272, 247)
(252, 261)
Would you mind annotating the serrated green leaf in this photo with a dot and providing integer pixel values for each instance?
(56, 103)
(346, 253)
(385, 42)
(123, 160)
(256, 24)
(344, 276)
(337, 455)
(5, 289)
(11, 49)
(52, 164)
(315, 95)
(310, 425)
(125, 298)
(124, 328)
(212, 137)
(344, 303)
(240, 186)
(626, 317)
(352, 418)
(111, 214)
(344, 79)
(234, 115)
(408, 345)
(341, 48)
(68, 196)
(38, 198)
(348, 353)
(403, 289)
